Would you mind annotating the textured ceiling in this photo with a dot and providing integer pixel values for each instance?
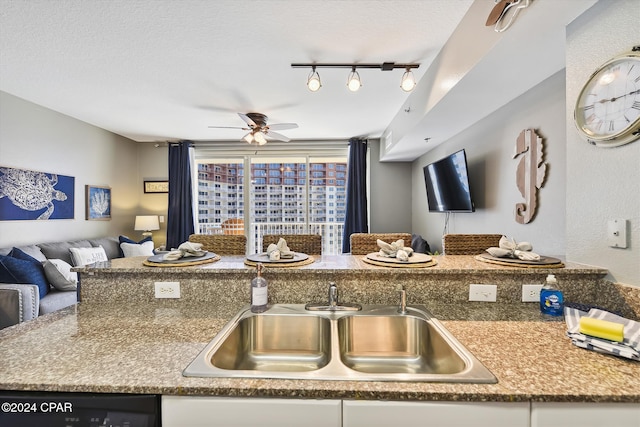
(157, 70)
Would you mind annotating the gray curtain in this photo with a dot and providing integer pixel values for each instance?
(180, 211)
(356, 213)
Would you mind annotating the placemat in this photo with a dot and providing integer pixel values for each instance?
(157, 261)
(545, 261)
(416, 260)
(275, 264)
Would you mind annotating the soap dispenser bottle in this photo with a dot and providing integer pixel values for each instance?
(551, 298)
(259, 291)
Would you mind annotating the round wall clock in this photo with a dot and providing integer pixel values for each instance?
(607, 112)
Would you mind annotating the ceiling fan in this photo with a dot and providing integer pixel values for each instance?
(259, 129)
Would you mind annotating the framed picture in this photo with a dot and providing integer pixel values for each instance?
(156, 186)
(34, 195)
(97, 203)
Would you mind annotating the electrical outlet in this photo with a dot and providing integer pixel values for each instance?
(167, 289)
(485, 293)
(531, 293)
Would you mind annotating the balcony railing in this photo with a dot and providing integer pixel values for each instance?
(331, 233)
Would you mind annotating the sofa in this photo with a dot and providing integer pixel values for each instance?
(23, 301)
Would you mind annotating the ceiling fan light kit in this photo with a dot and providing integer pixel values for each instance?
(259, 130)
(407, 83)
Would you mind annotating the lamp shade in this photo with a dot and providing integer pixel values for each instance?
(147, 223)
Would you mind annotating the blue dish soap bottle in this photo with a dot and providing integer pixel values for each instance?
(259, 292)
(551, 298)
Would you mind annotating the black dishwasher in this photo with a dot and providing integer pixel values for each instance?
(27, 409)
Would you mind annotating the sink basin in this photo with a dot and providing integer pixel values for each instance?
(396, 344)
(276, 343)
(374, 344)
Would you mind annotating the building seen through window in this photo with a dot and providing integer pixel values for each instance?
(295, 196)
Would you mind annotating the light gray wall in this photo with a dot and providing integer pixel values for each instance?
(389, 193)
(602, 183)
(36, 138)
(490, 146)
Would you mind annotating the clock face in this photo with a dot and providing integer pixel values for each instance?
(608, 109)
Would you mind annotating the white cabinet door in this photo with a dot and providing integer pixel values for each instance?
(557, 414)
(434, 414)
(195, 411)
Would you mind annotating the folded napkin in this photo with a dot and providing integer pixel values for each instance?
(394, 250)
(279, 251)
(186, 249)
(511, 249)
(629, 347)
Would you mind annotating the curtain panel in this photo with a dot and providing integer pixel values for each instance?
(180, 212)
(356, 210)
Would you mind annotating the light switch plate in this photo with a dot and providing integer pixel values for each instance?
(485, 293)
(167, 289)
(617, 233)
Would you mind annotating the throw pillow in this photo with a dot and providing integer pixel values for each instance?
(15, 270)
(125, 239)
(84, 256)
(135, 249)
(59, 274)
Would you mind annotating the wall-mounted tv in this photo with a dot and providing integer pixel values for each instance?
(447, 184)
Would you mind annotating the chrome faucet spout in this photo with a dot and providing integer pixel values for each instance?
(333, 294)
(333, 304)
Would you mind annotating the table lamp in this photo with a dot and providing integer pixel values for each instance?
(147, 223)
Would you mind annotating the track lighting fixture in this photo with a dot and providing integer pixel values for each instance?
(353, 81)
(407, 83)
(313, 82)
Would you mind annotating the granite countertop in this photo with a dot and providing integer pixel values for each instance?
(445, 264)
(131, 348)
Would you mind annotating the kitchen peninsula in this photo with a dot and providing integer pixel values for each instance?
(120, 339)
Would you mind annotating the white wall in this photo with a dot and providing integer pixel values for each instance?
(490, 145)
(36, 138)
(602, 183)
(389, 193)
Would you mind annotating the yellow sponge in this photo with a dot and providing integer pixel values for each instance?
(602, 329)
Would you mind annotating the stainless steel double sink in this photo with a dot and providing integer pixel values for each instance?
(375, 344)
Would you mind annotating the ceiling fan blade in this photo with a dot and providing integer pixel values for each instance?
(278, 136)
(283, 126)
(228, 127)
(248, 120)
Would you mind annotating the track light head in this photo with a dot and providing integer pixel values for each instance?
(313, 81)
(353, 81)
(408, 81)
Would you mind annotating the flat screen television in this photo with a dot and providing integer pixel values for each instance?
(447, 184)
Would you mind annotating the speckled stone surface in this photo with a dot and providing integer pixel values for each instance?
(144, 348)
(119, 339)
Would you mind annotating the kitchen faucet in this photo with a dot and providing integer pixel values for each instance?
(333, 303)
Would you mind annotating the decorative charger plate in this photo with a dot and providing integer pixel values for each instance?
(544, 262)
(416, 260)
(264, 258)
(158, 260)
(299, 259)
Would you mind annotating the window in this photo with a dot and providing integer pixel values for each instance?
(281, 198)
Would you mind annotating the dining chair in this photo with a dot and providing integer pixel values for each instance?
(222, 244)
(310, 244)
(366, 243)
(468, 244)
